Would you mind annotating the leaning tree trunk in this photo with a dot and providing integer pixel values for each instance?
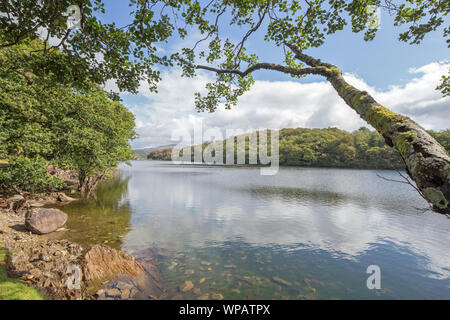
(427, 162)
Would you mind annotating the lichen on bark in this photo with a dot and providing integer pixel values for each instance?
(427, 162)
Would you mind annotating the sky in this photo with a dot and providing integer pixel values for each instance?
(400, 76)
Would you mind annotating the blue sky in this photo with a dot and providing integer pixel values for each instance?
(391, 70)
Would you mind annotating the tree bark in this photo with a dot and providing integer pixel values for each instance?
(427, 162)
(87, 184)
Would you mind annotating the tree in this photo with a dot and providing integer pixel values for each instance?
(93, 50)
(294, 26)
(330, 147)
(45, 123)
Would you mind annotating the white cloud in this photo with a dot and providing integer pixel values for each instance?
(283, 104)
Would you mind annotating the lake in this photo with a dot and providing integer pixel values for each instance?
(304, 233)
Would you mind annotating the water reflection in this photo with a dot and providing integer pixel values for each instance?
(316, 229)
(105, 219)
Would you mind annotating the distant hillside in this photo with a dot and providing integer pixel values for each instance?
(331, 147)
(143, 152)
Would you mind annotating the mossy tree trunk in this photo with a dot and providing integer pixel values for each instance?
(427, 162)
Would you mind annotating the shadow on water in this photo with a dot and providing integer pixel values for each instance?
(105, 219)
(299, 195)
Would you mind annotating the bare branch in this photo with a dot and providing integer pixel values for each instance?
(408, 182)
(212, 31)
(249, 32)
(390, 180)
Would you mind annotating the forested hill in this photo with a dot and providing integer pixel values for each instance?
(333, 147)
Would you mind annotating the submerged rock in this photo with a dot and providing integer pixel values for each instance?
(42, 220)
(281, 281)
(187, 286)
(217, 296)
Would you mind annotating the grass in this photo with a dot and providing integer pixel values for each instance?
(12, 289)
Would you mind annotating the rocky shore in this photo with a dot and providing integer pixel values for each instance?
(61, 269)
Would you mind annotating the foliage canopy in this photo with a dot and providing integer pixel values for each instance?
(100, 50)
(44, 122)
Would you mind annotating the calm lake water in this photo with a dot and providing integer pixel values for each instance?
(303, 233)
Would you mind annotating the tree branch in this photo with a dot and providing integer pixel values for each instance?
(215, 29)
(270, 66)
(254, 29)
(313, 62)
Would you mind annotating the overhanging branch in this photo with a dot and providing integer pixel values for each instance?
(269, 66)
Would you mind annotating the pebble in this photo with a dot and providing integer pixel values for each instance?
(114, 292)
(123, 285)
(281, 281)
(133, 292)
(217, 296)
(126, 294)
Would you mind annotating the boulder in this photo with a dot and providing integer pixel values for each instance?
(42, 220)
(104, 263)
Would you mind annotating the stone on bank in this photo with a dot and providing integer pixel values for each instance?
(43, 220)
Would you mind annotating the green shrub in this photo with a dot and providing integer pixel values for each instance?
(29, 174)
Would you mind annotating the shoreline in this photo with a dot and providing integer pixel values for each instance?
(257, 166)
(43, 263)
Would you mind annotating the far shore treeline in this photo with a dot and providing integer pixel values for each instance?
(330, 147)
